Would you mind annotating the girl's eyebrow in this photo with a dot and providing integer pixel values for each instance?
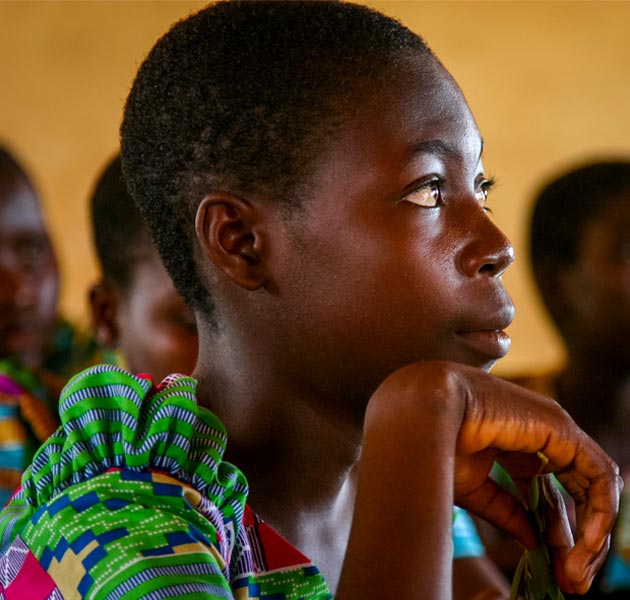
(437, 147)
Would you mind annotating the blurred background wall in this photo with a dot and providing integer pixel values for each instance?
(549, 83)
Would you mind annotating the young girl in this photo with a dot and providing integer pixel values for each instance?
(312, 177)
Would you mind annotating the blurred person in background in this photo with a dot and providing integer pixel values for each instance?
(580, 258)
(39, 349)
(135, 308)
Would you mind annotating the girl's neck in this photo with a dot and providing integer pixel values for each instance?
(289, 444)
(299, 456)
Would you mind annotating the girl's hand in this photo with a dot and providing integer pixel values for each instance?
(528, 434)
(431, 434)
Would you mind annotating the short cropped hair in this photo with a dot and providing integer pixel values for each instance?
(120, 234)
(564, 207)
(241, 96)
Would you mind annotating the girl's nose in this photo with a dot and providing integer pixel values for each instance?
(489, 252)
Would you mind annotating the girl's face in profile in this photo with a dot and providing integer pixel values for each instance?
(396, 258)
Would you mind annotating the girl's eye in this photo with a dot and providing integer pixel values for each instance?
(483, 192)
(428, 195)
(481, 195)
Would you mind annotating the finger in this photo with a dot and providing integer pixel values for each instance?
(501, 509)
(581, 577)
(557, 534)
(597, 513)
(597, 502)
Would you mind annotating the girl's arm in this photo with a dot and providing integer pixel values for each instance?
(432, 432)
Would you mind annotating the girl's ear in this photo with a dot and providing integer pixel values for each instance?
(230, 231)
(103, 301)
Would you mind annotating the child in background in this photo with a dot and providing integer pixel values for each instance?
(33, 335)
(135, 307)
(580, 257)
(30, 279)
(38, 348)
(312, 178)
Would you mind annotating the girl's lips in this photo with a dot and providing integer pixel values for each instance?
(491, 343)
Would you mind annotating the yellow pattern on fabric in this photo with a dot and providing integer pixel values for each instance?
(69, 571)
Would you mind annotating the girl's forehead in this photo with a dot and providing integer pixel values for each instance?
(417, 91)
(426, 87)
(416, 107)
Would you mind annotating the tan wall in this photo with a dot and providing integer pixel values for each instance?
(549, 83)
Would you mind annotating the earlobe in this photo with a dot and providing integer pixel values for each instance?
(103, 304)
(229, 231)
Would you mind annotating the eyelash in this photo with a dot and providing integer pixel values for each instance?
(433, 187)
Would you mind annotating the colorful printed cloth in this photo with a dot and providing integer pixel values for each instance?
(131, 498)
(25, 422)
(29, 397)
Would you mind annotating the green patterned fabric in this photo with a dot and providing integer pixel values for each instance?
(131, 498)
